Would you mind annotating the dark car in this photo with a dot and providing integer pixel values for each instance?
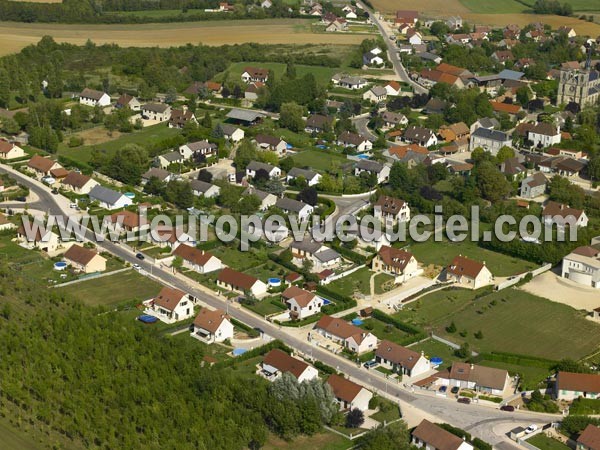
(370, 364)
(140, 256)
(508, 408)
(455, 390)
(465, 400)
(55, 191)
(443, 389)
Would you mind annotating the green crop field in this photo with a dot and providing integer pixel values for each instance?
(511, 321)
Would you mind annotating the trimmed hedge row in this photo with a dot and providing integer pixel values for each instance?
(349, 254)
(519, 360)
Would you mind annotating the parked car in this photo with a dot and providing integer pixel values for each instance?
(531, 428)
(509, 408)
(137, 267)
(465, 400)
(455, 390)
(370, 364)
(140, 256)
(443, 389)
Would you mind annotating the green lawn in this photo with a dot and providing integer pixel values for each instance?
(321, 441)
(511, 320)
(357, 281)
(383, 281)
(265, 307)
(432, 348)
(237, 259)
(388, 411)
(544, 442)
(142, 137)
(442, 253)
(321, 74)
(320, 160)
(200, 349)
(114, 289)
(383, 330)
(531, 377)
(14, 439)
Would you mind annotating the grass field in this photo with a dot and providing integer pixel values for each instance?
(322, 441)
(13, 37)
(153, 133)
(383, 331)
(531, 377)
(357, 281)
(442, 253)
(322, 74)
(544, 442)
(511, 321)
(114, 289)
(321, 160)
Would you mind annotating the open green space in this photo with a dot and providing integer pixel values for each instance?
(388, 411)
(320, 160)
(268, 305)
(322, 74)
(544, 442)
(358, 281)
(236, 259)
(383, 330)
(114, 289)
(149, 134)
(322, 441)
(431, 348)
(15, 439)
(383, 283)
(442, 253)
(511, 320)
(531, 377)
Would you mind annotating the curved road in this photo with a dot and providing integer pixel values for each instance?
(487, 423)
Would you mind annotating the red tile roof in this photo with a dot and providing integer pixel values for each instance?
(236, 279)
(285, 363)
(192, 254)
(343, 389)
(169, 298)
(210, 320)
(461, 265)
(580, 382)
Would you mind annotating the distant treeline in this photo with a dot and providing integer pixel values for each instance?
(108, 11)
(552, 7)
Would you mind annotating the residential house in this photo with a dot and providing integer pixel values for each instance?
(569, 386)
(432, 437)
(430, 77)
(420, 136)
(156, 172)
(489, 123)
(372, 59)
(40, 239)
(203, 189)
(379, 170)
(503, 56)
(231, 132)
(350, 12)
(353, 83)
(468, 272)
(179, 117)
(255, 166)
(301, 303)
(78, 183)
(197, 260)
(42, 166)
(534, 185)
(376, 94)
(171, 305)
(353, 140)
(407, 16)
(321, 256)
(390, 209)
(318, 123)
(400, 263)
(166, 236)
(160, 112)
(392, 119)
(411, 154)
(414, 37)
(241, 282)
(454, 22)
(336, 25)
(347, 335)
(90, 97)
(212, 326)
(348, 394)
(401, 360)
(454, 132)
(544, 135)
(253, 90)
(582, 266)
(311, 177)
(202, 89)
(506, 108)
(127, 221)
(513, 168)
(299, 209)
(589, 439)
(128, 101)
(254, 74)
(109, 199)
(277, 362)
(561, 215)
(6, 224)
(435, 106)
(84, 260)
(266, 199)
(198, 149)
(561, 165)
(393, 88)
(480, 378)
(9, 150)
(267, 142)
(489, 140)
(174, 157)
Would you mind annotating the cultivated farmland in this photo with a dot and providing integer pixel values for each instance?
(13, 37)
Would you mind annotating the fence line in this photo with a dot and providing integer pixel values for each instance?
(518, 278)
(91, 276)
(450, 343)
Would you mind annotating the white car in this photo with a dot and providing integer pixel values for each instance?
(137, 267)
(531, 428)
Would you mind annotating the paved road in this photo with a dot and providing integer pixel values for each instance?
(487, 423)
(392, 51)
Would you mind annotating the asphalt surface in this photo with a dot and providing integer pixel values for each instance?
(484, 422)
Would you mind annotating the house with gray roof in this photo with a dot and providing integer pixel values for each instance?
(109, 199)
(294, 207)
(320, 255)
(489, 140)
(192, 149)
(164, 161)
(534, 185)
(245, 116)
(156, 172)
(312, 178)
(381, 171)
(203, 189)
(376, 94)
(156, 111)
(231, 132)
(266, 199)
(255, 166)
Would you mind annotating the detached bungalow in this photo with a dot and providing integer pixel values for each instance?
(109, 199)
(156, 111)
(84, 260)
(255, 166)
(353, 140)
(164, 161)
(44, 240)
(429, 436)
(90, 97)
(156, 172)
(317, 123)
(277, 362)
(179, 118)
(171, 305)
(481, 378)
(231, 132)
(376, 94)
(42, 166)
(570, 386)
(349, 394)
(212, 326)
(241, 282)
(400, 263)
(301, 303)
(561, 215)
(266, 142)
(299, 209)
(381, 171)
(197, 260)
(203, 189)
(266, 199)
(78, 183)
(127, 221)
(312, 178)
(8, 150)
(469, 272)
(347, 335)
(401, 359)
(128, 101)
